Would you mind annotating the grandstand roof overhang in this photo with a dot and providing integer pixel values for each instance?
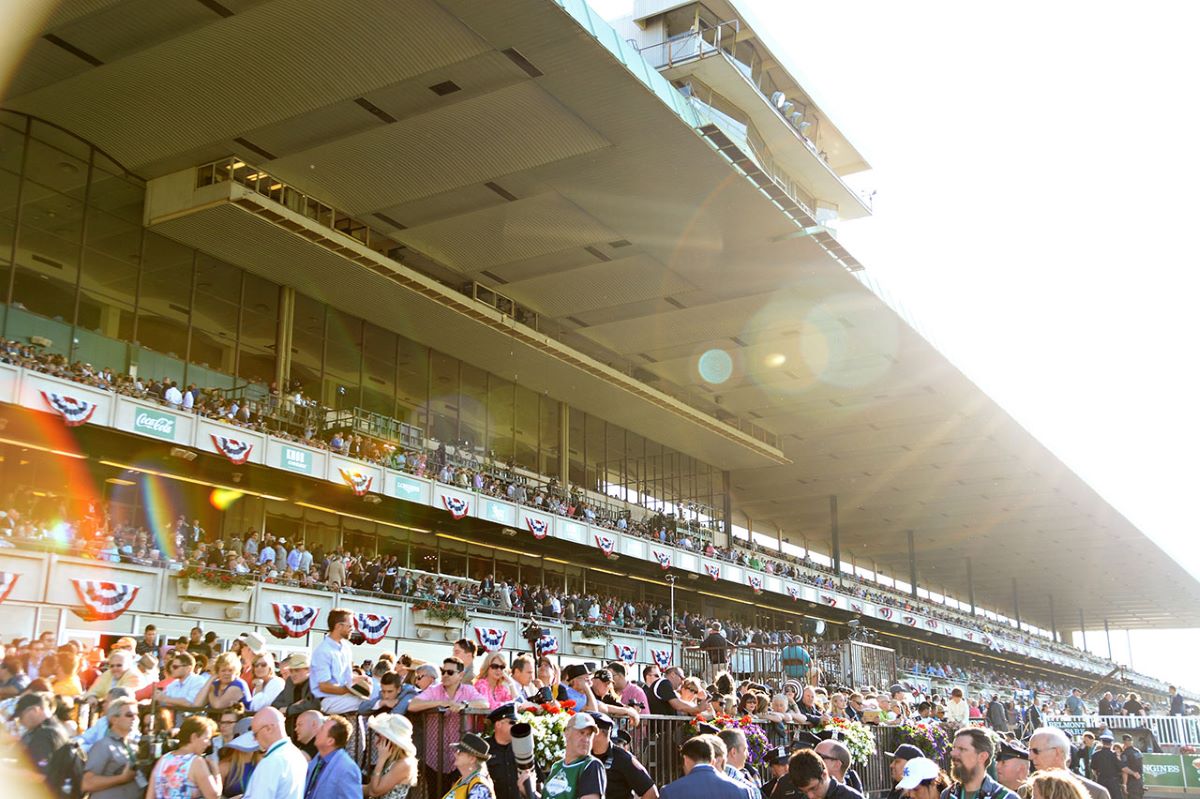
(509, 146)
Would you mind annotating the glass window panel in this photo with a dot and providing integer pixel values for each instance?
(116, 194)
(308, 344)
(500, 418)
(215, 314)
(343, 360)
(472, 414)
(57, 161)
(594, 458)
(549, 421)
(47, 252)
(412, 382)
(165, 301)
(577, 444)
(379, 370)
(444, 399)
(526, 428)
(12, 146)
(259, 320)
(614, 475)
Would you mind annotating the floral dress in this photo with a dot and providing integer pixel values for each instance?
(172, 780)
(398, 792)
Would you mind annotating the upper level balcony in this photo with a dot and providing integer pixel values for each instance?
(742, 89)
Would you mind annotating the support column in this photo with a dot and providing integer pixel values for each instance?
(1016, 603)
(834, 542)
(1108, 639)
(727, 507)
(564, 445)
(283, 337)
(912, 563)
(1129, 646)
(1082, 631)
(1053, 623)
(970, 587)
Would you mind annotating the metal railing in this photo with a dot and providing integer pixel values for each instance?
(1167, 730)
(703, 43)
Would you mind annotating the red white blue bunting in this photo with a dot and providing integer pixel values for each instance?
(931, 624)
(296, 620)
(662, 657)
(911, 621)
(373, 626)
(539, 527)
(713, 570)
(755, 582)
(830, 600)
(361, 483)
(236, 451)
(457, 506)
(103, 600)
(885, 613)
(663, 558)
(856, 607)
(490, 638)
(793, 592)
(547, 645)
(7, 581)
(625, 653)
(73, 411)
(606, 543)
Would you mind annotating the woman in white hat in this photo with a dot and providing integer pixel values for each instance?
(395, 757)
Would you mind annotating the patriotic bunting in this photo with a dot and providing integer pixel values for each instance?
(7, 581)
(547, 645)
(885, 613)
(373, 626)
(491, 639)
(755, 582)
(296, 620)
(607, 544)
(830, 600)
(359, 482)
(713, 570)
(236, 451)
(970, 635)
(73, 411)
(103, 600)
(625, 653)
(856, 607)
(793, 592)
(911, 621)
(457, 506)
(662, 657)
(539, 527)
(663, 558)
(931, 624)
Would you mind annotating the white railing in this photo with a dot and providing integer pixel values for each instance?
(1168, 730)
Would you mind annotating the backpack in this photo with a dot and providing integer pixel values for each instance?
(64, 772)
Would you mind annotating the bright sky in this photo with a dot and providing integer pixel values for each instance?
(1036, 167)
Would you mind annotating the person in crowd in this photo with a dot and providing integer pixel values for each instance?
(502, 764)
(395, 771)
(237, 759)
(1081, 756)
(295, 696)
(227, 688)
(43, 732)
(332, 773)
(308, 724)
(419, 678)
(332, 677)
(470, 761)
(664, 698)
(897, 762)
(701, 777)
(923, 779)
(1012, 764)
(389, 694)
(1133, 706)
(577, 775)
(958, 712)
(1176, 708)
(970, 755)
(1075, 705)
(494, 682)
(148, 644)
(523, 676)
(266, 686)
(282, 771)
(13, 679)
(110, 772)
(186, 773)
(628, 692)
(227, 721)
(809, 709)
(1105, 706)
(1056, 784)
(1106, 767)
(837, 761)
(466, 651)
(626, 775)
(997, 716)
(548, 677)
(1131, 768)
(451, 695)
(777, 761)
(118, 675)
(737, 751)
(187, 689)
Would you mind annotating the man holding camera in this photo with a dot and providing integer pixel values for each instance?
(111, 771)
(502, 761)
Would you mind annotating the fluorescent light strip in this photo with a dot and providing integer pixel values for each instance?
(361, 518)
(27, 445)
(192, 480)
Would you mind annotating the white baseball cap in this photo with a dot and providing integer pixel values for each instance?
(916, 771)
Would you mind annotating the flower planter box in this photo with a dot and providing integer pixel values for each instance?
(583, 639)
(195, 589)
(430, 627)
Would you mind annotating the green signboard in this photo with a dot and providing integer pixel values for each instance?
(295, 459)
(1162, 771)
(1191, 772)
(154, 423)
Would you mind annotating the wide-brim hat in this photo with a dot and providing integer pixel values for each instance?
(244, 743)
(395, 728)
(296, 660)
(255, 641)
(474, 745)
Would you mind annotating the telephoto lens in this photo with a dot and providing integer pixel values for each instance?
(522, 745)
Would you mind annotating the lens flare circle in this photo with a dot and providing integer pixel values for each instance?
(715, 366)
(223, 498)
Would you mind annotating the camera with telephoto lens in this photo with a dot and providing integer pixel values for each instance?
(522, 745)
(151, 747)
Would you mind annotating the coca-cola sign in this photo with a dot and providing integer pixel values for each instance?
(154, 423)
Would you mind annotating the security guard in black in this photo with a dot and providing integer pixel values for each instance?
(627, 777)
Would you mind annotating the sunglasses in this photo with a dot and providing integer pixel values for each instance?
(260, 665)
(449, 672)
(496, 666)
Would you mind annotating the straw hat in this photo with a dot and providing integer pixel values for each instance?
(395, 728)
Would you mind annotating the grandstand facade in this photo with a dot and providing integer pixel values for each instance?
(502, 292)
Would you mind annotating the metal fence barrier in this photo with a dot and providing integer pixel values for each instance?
(1168, 730)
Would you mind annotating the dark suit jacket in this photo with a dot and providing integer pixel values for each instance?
(706, 782)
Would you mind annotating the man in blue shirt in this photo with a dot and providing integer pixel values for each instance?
(699, 777)
(332, 774)
(1075, 706)
(331, 673)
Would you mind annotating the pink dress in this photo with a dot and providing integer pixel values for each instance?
(497, 696)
